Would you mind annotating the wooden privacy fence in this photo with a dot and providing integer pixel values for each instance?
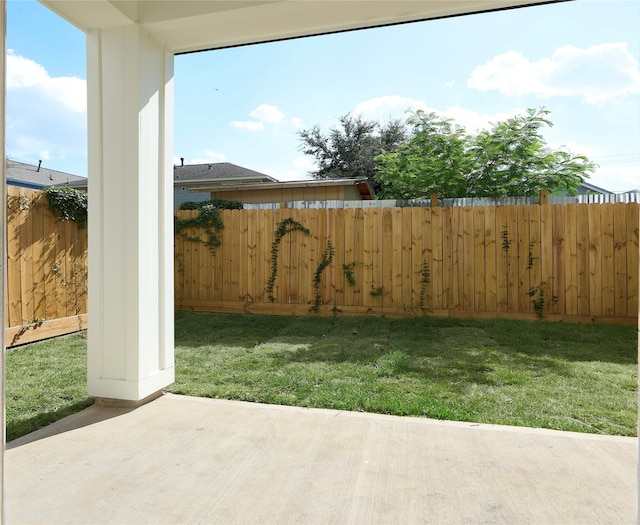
(577, 262)
(46, 270)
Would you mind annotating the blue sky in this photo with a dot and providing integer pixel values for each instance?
(246, 105)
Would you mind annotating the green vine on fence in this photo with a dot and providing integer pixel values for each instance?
(506, 242)
(68, 204)
(537, 293)
(286, 226)
(424, 281)
(208, 219)
(539, 301)
(348, 270)
(376, 291)
(325, 261)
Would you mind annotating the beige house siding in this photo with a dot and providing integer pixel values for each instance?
(290, 194)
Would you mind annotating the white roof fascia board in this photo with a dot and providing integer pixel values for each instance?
(186, 26)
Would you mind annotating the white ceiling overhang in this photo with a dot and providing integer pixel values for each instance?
(195, 25)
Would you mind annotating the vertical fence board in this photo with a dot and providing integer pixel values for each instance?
(425, 216)
(558, 276)
(457, 236)
(378, 281)
(571, 257)
(178, 269)
(478, 276)
(620, 259)
(582, 254)
(264, 239)
(407, 248)
(294, 256)
(244, 255)
(385, 249)
(447, 259)
(468, 260)
(395, 262)
(546, 254)
(61, 274)
(534, 255)
(633, 235)
(50, 265)
(437, 260)
(337, 268)
(512, 268)
(595, 261)
(13, 287)
(26, 258)
(418, 289)
(608, 290)
(490, 265)
(359, 257)
(523, 246)
(503, 246)
(350, 241)
(323, 237)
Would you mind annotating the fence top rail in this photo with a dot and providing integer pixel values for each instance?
(625, 198)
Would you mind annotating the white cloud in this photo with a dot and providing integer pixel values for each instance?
(451, 83)
(204, 160)
(261, 115)
(473, 121)
(388, 107)
(616, 178)
(384, 108)
(297, 122)
(576, 149)
(297, 170)
(597, 73)
(304, 164)
(26, 74)
(249, 125)
(215, 155)
(267, 113)
(45, 116)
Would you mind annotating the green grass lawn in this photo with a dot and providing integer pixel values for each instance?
(552, 375)
(46, 381)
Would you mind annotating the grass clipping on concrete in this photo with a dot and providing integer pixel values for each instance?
(562, 376)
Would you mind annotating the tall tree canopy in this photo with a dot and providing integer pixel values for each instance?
(510, 159)
(350, 149)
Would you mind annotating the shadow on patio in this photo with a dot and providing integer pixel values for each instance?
(188, 460)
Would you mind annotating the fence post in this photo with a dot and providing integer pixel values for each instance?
(434, 200)
(544, 197)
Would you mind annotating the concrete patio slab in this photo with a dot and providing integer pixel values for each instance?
(189, 460)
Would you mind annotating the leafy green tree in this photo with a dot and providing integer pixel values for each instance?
(350, 149)
(511, 159)
(434, 159)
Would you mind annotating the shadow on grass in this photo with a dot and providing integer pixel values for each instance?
(468, 342)
(19, 428)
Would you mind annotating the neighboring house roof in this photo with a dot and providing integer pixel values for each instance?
(193, 175)
(363, 186)
(217, 172)
(587, 187)
(36, 177)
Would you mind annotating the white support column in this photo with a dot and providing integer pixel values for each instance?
(130, 112)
